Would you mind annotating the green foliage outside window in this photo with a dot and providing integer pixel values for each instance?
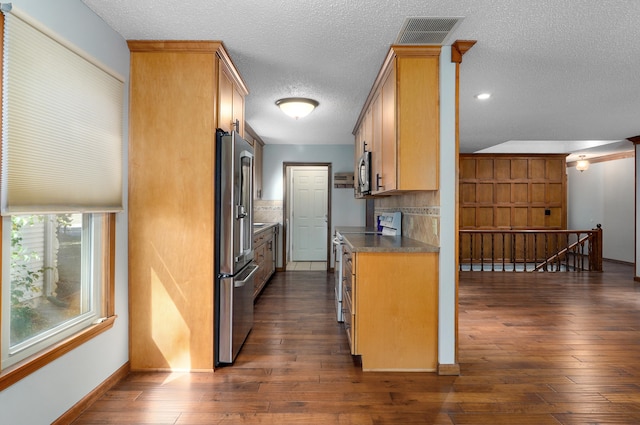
(26, 319)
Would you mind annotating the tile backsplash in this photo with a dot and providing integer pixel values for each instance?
(267, 211)
(420, 214)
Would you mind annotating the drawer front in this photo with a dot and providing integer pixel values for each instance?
(258, 239)
(348, 298)
(349, 319)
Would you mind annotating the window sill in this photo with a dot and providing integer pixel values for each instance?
(20, 370)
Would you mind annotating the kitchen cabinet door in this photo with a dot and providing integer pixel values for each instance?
(396, 310)
(418, 130)
(377, 183)
(389, 137)
(225, 101)
(238, 111)
(257, 169)
(230, 103)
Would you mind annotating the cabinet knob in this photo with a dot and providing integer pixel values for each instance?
(378, 179)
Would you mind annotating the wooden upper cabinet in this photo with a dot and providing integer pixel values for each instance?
(404, 106)
(230, 101)
(225, 100)
(388, 155)
(376, 139)
(258, 146)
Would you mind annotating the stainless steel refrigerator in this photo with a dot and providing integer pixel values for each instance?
(234, 268)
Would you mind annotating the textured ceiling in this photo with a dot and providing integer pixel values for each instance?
(560, 70)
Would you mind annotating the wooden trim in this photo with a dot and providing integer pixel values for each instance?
(394, 51)
(110, 283)
(635, 139)
(403, 50)
(512, 155)
(449, 369)
(186, 46)
(285, 188)
(191, 46)
(611, 260)
(248, 129)
(74, 412)
(459, 48)
(606, 158)
(224, 56)
(20, 370)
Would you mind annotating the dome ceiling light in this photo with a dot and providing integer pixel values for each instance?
(582, 164)
(297, 107)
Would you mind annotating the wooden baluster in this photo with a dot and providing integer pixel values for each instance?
(504, 254)
(590, 241)
(471, 252)
(493, 258)
(598, 251)
(460, 250)
(481, 252)
(513, 250)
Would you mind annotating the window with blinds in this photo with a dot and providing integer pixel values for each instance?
(61, 182)
(61, 127)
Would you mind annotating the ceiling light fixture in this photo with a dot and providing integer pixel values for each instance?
(297, 107)
(483, 96)
(582, 164)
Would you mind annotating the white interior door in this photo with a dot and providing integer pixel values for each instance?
(309, 214)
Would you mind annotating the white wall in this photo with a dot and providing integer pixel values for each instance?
(46, 394)
(605, 194)
(345, 209)
(447, 298)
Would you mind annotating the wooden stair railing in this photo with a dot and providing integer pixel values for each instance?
(563, 251)
(530, 250)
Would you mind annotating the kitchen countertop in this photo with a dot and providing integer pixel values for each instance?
(356, 229)
(265, 226)
(367, 242)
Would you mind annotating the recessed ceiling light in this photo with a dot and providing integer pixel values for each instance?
(483, 96)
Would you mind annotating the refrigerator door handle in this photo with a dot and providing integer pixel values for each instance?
(237, 283)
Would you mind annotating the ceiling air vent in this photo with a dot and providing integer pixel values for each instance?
(427, 30)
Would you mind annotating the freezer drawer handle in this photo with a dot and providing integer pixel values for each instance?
(241, 283)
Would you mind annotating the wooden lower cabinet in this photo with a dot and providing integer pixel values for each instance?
(264, 245)
(391, 309)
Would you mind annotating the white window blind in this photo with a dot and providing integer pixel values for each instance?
(61, 127)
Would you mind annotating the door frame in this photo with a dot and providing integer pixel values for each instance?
(287, 202)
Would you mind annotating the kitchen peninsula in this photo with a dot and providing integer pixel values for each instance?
(390, 301)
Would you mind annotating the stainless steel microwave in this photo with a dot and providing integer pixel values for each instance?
(364, 173)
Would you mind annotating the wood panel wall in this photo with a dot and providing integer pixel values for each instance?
(506, 191)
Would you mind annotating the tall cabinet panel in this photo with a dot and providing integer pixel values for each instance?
(174, 111)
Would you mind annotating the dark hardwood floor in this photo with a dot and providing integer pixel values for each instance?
(535, 348)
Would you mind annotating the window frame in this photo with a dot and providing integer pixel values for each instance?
(25, 367)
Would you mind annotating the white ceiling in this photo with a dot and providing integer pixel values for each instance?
(560, 71)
